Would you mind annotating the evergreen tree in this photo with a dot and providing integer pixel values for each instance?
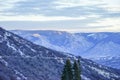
(76, 70)
(79, 65)
(67, 71)
(71, 73)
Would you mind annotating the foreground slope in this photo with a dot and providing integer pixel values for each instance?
(22, 60)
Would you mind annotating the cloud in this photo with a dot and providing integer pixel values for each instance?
(8, 4)
(111, 5)
(111, 8)
(112, 24)
(62, 25)
(38, 18)
(70, 8)
(82, 15)
(74, 3)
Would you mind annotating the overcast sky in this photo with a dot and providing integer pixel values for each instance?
(66, 15)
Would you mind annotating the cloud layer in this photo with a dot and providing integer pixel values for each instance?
(90, 15)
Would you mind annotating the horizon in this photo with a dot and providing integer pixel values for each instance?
(58, 30)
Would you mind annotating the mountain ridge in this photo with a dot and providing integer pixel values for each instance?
(88, 45)
(33, 62)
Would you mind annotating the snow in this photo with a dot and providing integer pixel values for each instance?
(31, 48)
(115, 75)
(102, 72)
(6, 35)
(19, 40)
(1, 40)
(85, 78)
(10, 46)
(2, 60)
(75, 44)
(36, 35)
(18, 78)
(97, 35)
(20, 74)
(91, 34)
(26, 56)
(21, 71)
(21, 53)
(46, 51)
(59, 32)
(60, 60)
(0, 35)
(16, 38)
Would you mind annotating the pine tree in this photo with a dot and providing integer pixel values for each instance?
(79, 65)
(67, 71)
(76, 70)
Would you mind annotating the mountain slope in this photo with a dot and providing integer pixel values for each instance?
(23, 60)
(94, 46)
(66, 42)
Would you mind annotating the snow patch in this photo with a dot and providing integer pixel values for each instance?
(47, 51)
(31, 48)
(91, 35)
(36, 35)
(18, 78)
(20, 74)
(10, 46)
(1, 40)
(102, 72)
(7, 34)
(21, 53)
(3, 61)
(16, 38)
(60, 33)
(0, 35)
(85, 78)
(60, 60)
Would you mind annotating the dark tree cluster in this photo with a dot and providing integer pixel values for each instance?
(71, 72)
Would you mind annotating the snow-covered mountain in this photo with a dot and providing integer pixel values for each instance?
(20, 59)
(111, 61)
(61, 41)
(94, 46)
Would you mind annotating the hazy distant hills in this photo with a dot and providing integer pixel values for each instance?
(95, 46)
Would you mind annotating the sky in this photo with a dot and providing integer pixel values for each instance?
(64, 15)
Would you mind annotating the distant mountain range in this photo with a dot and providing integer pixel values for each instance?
(103, 46)
(20, 59)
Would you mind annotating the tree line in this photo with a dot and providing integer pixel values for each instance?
(71, 72)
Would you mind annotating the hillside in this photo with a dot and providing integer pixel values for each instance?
(22, 60)
(95, 46)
